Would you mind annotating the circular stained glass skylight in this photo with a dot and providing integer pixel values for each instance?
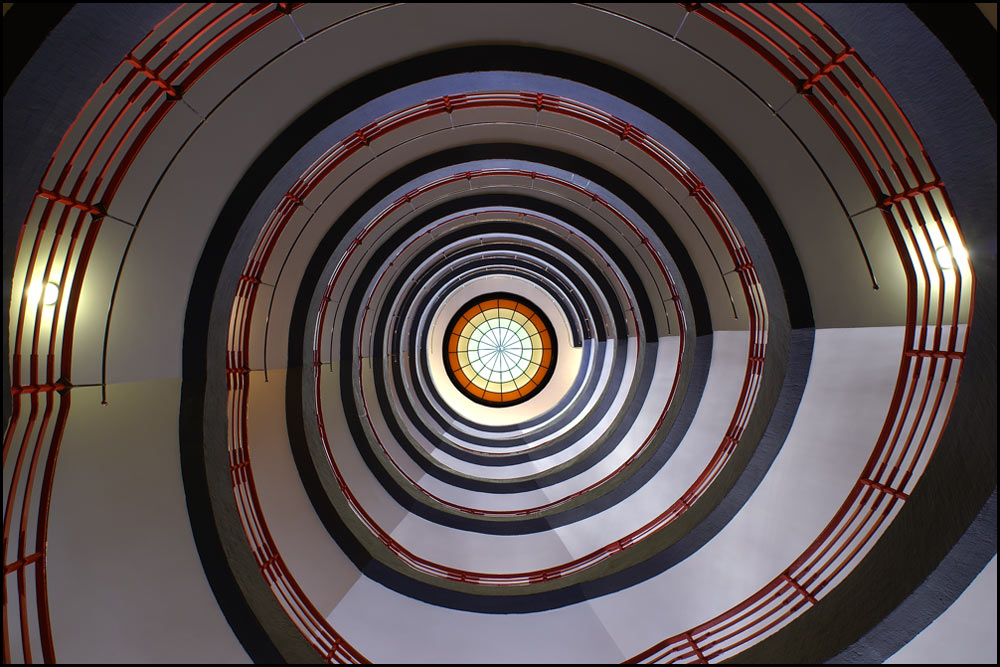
(500, 349)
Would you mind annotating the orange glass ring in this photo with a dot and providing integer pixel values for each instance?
(500, 349)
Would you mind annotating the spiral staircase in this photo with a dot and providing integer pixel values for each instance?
(498, 333)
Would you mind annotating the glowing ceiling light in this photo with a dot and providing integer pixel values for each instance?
(947, 259)
(48, 294)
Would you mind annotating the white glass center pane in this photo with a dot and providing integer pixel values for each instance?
(498, 349)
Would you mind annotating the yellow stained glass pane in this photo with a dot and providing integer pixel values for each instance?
(521, 380)
(507, 387)
(519, 318)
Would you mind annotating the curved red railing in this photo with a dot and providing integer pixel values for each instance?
(871, 128)
(469, 176)
(88, 167)
(73, 200)
(337, 155)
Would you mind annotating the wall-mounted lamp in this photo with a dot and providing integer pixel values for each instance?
(947, 259)
(48, 294)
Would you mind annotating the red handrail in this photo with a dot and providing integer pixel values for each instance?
(330, 161)
(913, 202)
(75, 194)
